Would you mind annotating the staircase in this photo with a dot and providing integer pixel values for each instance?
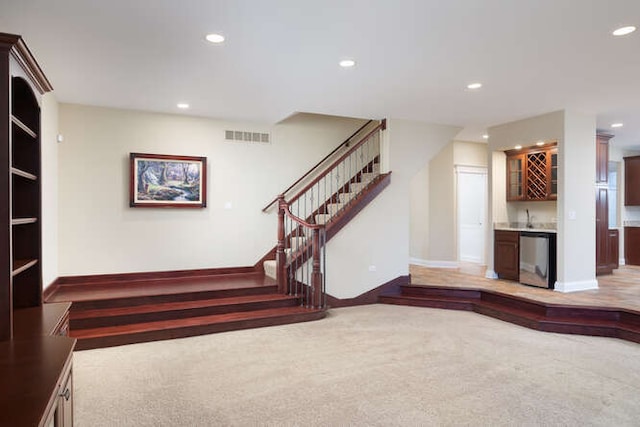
(119, 309)
(126, 311)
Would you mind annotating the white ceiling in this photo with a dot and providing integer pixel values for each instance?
(414, 58)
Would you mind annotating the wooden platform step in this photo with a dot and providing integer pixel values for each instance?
(114, 316)
(129, 309)
(596, 321)
(191, 326)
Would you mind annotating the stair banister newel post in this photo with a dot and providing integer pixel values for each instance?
(281, 260)
(316, 273)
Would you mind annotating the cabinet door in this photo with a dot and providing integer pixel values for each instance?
(506, 257)
(602, 158)
(632, 245)
(537, 176)
(632, 181)
(64, 413)
(602, 232)
(614, 243)
(552, 174)
(515, 177)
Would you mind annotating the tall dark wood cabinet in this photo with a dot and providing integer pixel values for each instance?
(20, 182)
(35, 361)
(632, 181)
(604, 264)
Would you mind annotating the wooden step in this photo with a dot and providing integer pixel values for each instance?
(82, 319)
(169, 329)
(597, 321)
(143, 292)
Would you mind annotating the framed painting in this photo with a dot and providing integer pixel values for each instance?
(158, 180)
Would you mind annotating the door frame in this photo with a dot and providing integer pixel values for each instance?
(475, 170)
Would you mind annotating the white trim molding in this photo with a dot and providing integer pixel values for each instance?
(490, 274)
(583, 285)
(433, 264)
(480, 170)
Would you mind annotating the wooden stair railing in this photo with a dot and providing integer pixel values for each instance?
(344, 143)
(294, 275)
(302, 220)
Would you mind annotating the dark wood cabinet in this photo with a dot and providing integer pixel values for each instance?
(632, 245)
(604, 245)
(22, 83)
(603, 265)
(35, 361)
(632, 181)
(602, 158)
(532, 174)
(614, 249)
(506, 256)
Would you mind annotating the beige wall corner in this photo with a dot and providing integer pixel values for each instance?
(49, 153)
(379, 237)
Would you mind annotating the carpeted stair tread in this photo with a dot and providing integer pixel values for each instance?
(179, 305)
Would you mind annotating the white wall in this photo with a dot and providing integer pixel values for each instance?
(99, 233)
(442, 224)
(380, 234)
(524, 132)
(419, 210)
(576, 204)
(575, 133)
(49, 153)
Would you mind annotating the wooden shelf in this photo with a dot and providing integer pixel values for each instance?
(24, 127)
(22, 221)
(20, 265)
(24, 174)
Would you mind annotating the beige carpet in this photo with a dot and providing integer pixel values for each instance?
(378, 365)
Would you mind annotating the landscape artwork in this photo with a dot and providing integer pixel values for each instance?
(159, 180)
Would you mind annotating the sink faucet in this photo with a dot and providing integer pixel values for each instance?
(529, 225)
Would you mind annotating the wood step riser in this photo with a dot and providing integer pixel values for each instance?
(179, 297)
(595, 321)
(422, 291)
(133, 317)
(430, 303)
(165, 334)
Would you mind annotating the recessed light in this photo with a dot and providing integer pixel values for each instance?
(182, 105)
(215, 38)
(540, 143)
(485, 136)
(347, 63)
(473, 86)
(623, 31)
(616, 125)
(518, 147)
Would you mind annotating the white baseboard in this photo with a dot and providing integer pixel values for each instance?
(433, 264)
(584, 285)
(621, 261)
(490, 274)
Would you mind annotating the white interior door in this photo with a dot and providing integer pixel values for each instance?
(472, 206)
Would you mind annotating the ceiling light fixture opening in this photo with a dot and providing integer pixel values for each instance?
(616, 125)
(518, 147)
(623, 31)
(347, 63)
(182, 105)
(485, 136)
(214, 38)
(540, 143)
(474, 86)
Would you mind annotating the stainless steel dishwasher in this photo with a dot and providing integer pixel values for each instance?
(537, 259)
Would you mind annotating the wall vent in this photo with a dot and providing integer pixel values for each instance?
(244, 136)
